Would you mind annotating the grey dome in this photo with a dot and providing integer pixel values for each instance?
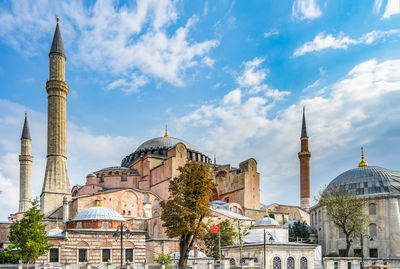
(160, 146)
(99, 213)
(57, 232)
(162, 143)
(266, 221)
(369, 180)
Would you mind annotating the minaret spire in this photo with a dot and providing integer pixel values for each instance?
(25, 169)
(304, 157)
(56, 183)
(303, 124)
(166, 130)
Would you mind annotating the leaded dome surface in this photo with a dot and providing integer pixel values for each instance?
(369, 180)
(266, 221)
(162, 143)
(99, 213)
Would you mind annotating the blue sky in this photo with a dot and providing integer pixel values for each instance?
(230, 77)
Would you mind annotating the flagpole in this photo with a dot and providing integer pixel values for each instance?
(219, 243)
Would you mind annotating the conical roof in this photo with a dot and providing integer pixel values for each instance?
(57, 45)
(303, 125)
(26, 134)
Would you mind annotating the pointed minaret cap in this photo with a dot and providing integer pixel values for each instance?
(26, 134)
(57, 45)
(303, 125)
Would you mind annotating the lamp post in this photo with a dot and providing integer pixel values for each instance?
(120, 233)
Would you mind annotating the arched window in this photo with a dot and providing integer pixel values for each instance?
(145, 198)
(156, 204)
(303, 263)
(276, 263)
(290, 263)
(155, 231)
(372, 230)
(372, 209)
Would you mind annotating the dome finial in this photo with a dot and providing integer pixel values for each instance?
(100, 204)
(166, 130)
(58, 19)
(362, 163)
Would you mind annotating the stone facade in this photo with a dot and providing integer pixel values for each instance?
(383, 229)
(94, 241)
(286, 213)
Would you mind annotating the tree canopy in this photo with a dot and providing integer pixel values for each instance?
(346, 210)
(188, 205)
(28, 236)
(299, 230)
(227, 234)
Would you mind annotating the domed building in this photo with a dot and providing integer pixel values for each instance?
(381, 188)
(92, 237)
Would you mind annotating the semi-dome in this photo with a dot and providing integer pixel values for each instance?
(160, 146)
(266, 221)
(99, 213)
(368, 180)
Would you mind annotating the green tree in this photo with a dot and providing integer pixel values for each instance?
(8, 255)
(227, 234)
(165, 259)
(188, 205)
(28, 235)
(346, 210)
(299, 230)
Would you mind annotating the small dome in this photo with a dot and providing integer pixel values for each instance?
(266, 221)
(91, 175)
(367, 180)
(99, 213)
(57, 232)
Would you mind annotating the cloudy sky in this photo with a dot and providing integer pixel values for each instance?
(230, 77)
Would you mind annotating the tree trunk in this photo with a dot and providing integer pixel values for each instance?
(348, 244)
(185, 244)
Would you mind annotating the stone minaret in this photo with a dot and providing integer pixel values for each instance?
(25, 170)
(56, 183)
(304, 156)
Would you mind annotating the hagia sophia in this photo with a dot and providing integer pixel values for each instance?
(81, 220)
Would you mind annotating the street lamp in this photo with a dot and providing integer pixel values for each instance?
(270, 238)
(362, 247)
(119, 233)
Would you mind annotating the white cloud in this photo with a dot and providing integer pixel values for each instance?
(306, 9)
(232, 98)
(123, 40)
(392, 8)
(271, 33)
(323, 41)
(128, 86)
(353, 112)
(377, 6)
(253, 75)
(87, 152)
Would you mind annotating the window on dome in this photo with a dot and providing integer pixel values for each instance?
(54, 255)
(106, 255)
(123, 212)
(372, 209)
(105, 225)
(123, 178)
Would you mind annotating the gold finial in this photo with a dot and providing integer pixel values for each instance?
(100, 204)
(166, 130)
(266, 212)
(58, 19)
(362, 163)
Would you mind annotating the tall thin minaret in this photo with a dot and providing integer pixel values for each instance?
(56, 183)
(25, 169)
(304, 156)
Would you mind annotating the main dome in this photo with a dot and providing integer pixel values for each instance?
(369, 180)
(160, 146)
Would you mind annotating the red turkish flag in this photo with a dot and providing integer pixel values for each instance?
(215, 229)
